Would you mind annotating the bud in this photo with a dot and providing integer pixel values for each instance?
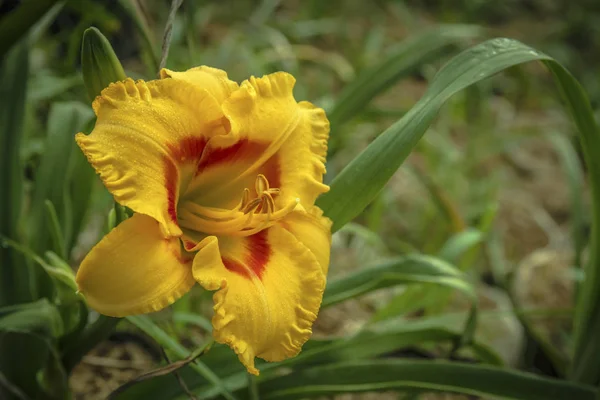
(99, 63)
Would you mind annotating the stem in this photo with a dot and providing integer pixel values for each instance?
(253, 387)
(175, 4)
(58, 240)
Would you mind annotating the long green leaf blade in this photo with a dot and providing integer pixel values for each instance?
(15, 25)
(575, 176)
(401, 270)
(145, 324)
(380, 375)
(374, 342)
(405, 270)
(406, 58)
(16, 280)
(360, 182)
(53, 177)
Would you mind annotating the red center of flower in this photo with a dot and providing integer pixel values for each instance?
(194, 153)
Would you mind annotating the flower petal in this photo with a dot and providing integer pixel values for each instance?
(134, 270)
(213, 80)
(313, 230)
(147, 141)
(271, 134)
(269, 289)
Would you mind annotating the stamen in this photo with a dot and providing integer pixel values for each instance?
(250, 216)
(199, 223)
(261, 184)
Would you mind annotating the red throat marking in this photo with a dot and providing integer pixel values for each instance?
(259, 253)
(187, 150)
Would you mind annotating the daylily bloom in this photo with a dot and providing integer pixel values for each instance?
(222, 179)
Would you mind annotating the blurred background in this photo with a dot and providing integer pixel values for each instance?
(494, 187)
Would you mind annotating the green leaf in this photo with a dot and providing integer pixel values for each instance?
(64, 280)
(45, 86)
(405, 270)
(459, 244)
(405, 59)
(381, 339)
(38, 317)
(145, 324)
(7, 388)
(17, 283)
(99, 63)
(434, 376)
(401, 270)
(162, 371)
(81, 187)
(455, 250)
(42, 25)
(15, 25)
(53, 179)
(58, 240)
(376, 341)
(31, 363)
(70, 306)
(575, 177)
(144, 32)
(193, 319)
(360, 182)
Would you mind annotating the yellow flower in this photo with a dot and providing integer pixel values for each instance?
(223, 179)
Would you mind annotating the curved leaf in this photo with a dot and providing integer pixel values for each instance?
(401, 270)
(16, 279)
(405, 59)
(14, 26)
(360, 182)
(434, 376)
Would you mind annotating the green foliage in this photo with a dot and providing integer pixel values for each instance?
(15, 25)
(431, 376)
(355, 187)
(46, 327)
(405, 59)
(15, 283)
(55, 179)
(99, 63)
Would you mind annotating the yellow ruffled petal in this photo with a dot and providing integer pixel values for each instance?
(269, 290)
(272, 135)
(147, 141)
(134, 270)
(213, 80)
(313, 230)
(264, 111)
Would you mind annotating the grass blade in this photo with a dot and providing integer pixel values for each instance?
(459, 244)
(14, 26)
(145, 324)
(53, 177)
(406, 59)
(575, 177)
(433, 376)
(360, 182)
(144, 31)
(17, 282)
(403, 270)
(400, 270)
(374, 342)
